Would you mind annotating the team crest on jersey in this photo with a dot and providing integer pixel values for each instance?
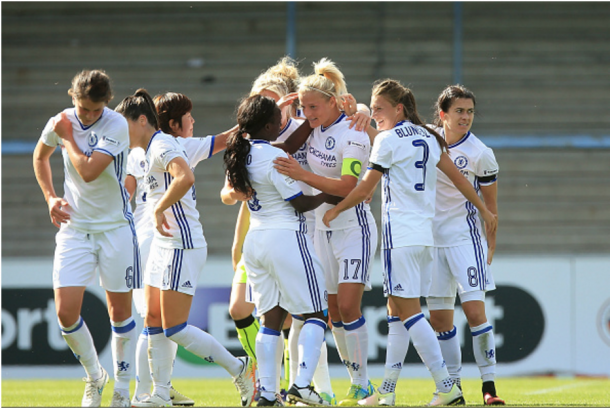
(143, 164)
(461, 162)
(92, 139)
(330, 143)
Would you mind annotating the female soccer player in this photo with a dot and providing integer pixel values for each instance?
(336, 155)
(462, 251)
(95, 227)
(277, 251)
(174, 110)
(178, 251)
(406, 154)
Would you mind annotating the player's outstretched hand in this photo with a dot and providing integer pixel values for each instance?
(349, 104)
(57, 211)
(161, 223)
(289, 167)
(62, 125)
(287, 100)
(329, 216)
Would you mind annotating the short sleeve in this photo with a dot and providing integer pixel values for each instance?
(357, 146)
(136, 163)
(487, 167)
(115, 137)
(198, 148)
(286, 186)
(381, 153)
(48, 136)
(164, 151)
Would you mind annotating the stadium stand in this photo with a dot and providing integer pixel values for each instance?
(538, 69)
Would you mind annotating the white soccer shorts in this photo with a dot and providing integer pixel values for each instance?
(407, 271)
(283, 270)
(175, 269)
(346, 255)
(114, 253)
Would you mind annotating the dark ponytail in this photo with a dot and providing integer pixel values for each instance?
(252, 115)
(396, 93)
(140, 103)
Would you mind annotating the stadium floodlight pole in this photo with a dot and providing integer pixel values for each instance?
(291, 29)
(457, 42)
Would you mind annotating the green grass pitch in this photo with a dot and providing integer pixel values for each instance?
(523, 391)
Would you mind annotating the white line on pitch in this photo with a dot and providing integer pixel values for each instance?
(560, 388)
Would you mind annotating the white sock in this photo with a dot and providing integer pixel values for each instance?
(80, 342)
(122, 351)
(396, 351)
(293, 345)
(266, 354)
(160, 360)
(143, 377)
(203, 345)
(484, 347)
(310, 341)
(357, 342)
(452, 353)
(429, 350)
(321, 378)
(339, 335)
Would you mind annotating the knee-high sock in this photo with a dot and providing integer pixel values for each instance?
(310, 342)
(452, 353)
(279, 352)
(293, 345)
(123, 334)
(203, 345)
(357, 342)
(321, 378)
(143, 377)
(339, 335)
(266, 350)
(160, 360)
(396, 351)
(80, 342)
(247, 329)
(484, 347)
(429, 350)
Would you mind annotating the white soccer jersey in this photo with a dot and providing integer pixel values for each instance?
(301, 157)
(408, 155)
(182, 216)
(457, 220)
(328, 148)
(270, 207)
(136, 167)
(102, 204)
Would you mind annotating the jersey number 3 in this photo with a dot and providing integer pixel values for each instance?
(421, 164)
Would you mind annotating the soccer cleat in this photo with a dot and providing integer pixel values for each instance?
(306, 395)
(264, 402)
(245, 382)
(93, 390)
(179, 399)
(118, 400)
(453, 397)
(489, 399)
(331, 399)
(152, 401)
(379, 399)
(355, 394)
(139, 398)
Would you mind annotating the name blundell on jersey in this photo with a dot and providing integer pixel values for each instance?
(411, 131)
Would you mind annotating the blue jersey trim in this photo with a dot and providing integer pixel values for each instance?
(83, 127)
(212, 147)
(339, 119)
(99, 149)
(310, 272)
(294, 196)
(459, 142)
(151, 139)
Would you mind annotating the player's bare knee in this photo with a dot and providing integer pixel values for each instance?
(440, 323)
(67, 318)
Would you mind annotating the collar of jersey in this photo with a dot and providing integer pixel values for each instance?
(339, 119)
(286, 127)
(259, 141)
(402, 122)
(151, 139)
(459, 142)
(83, 127)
